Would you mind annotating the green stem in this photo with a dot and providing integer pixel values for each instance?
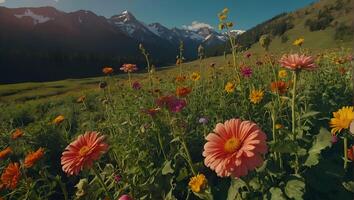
(161, 144)
(130, 80)
(295, 76)
(98, 175)
(189, 158)
(345, 147)
(273, 130)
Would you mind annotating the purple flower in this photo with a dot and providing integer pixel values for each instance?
(203, 120)
(246, 71)
(176, 105)
(117, 178)
(172, 103)
(136, 85)
(125, 197)
(334, 139)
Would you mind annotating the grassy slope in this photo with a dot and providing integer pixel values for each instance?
(316, 40)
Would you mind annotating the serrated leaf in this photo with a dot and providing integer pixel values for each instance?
(295, 189)
(277, 194)
(349, 186)
(322, 141)
(235, 185)
(167, 168)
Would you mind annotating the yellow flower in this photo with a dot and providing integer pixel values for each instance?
(256, 96)
(279, 126)
(229, 87)
(341, 119)
(282, 73)
(198, 183)
(299, 42)
(225, 11)
(222, 17)
(221, 26)
(59, 119)
(195, 76)
(229, 24)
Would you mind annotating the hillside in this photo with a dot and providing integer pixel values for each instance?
(334, 20)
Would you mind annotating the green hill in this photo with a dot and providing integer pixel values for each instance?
(323, 24)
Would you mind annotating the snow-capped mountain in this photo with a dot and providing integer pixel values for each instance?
(82, 38)
(127, 23)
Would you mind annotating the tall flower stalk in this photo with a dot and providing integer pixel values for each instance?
(296, 63)
(149, 67)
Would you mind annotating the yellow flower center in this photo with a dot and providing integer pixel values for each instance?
(232, 145)
(84, 150)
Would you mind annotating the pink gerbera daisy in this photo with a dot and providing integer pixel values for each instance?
(82, 152)
(297, 62)
(234, 148)
(129, 68)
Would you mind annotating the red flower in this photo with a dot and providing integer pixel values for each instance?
(183, 91)
(11, 176)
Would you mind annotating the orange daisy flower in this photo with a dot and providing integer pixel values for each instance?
(33, 157)
(107, 70)
(183, 91)
(82, 152)
(279, 87)
(58, 120)
(5, 152)
(81, 99)
(11, 176)
(129, 68)
(16, 134)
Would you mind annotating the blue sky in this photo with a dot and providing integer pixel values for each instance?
(176, 13)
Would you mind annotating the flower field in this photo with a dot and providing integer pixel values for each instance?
(254, 126)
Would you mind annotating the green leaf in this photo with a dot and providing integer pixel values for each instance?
(167, 169)
(277, 194)
(322, 141)
(295, 189)
(349, 186)
(284, 146)
(183, 173)
(235, 185)
(309, 114)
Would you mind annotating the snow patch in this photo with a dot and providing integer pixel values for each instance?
(154, 29)
(37, 19)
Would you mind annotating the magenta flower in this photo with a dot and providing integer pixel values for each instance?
(246, 71)
(172, 103)
(136, 85)
(125, 197)
(117, 178)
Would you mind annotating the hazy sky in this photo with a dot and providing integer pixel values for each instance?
(175, 13)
